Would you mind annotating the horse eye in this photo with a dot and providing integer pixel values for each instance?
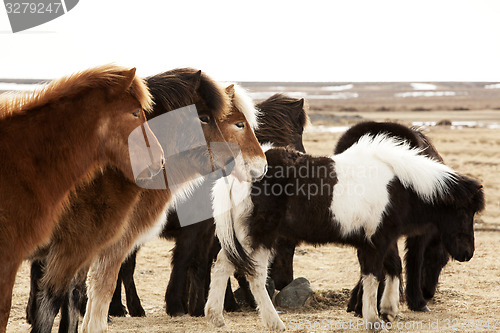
(204, 119)
(137, 113)
(240, 124)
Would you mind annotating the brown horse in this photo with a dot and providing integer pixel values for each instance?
(104, 206)
(54, 138)
(150, 212)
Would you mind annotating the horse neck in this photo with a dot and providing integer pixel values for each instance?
(49, 150)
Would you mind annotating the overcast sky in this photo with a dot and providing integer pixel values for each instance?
(390, 40)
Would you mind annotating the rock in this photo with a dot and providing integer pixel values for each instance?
(295, 294)
(444, 122)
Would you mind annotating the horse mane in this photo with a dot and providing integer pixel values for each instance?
(242, 101)
(427, 145)
(106, 76)
(184, 86)
(281, 117)
(465, 192)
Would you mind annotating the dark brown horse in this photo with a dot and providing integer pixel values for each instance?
(281, 122)
(111, 210)
(51, 140)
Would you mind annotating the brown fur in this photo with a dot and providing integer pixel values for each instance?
(102, 213)
(51, 140)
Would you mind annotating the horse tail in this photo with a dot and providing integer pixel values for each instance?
(225, 217)
(430, 179)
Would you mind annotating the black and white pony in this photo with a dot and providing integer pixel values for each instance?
(426, 254)
(368, 196)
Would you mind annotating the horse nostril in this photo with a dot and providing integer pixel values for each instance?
(265, 169)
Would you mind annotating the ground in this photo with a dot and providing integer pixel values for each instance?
(468, 293)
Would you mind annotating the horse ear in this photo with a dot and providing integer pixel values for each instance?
(300, 103)
(230, 91)
(127, 79)
(196, 80)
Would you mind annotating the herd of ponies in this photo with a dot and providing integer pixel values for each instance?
(73, 203)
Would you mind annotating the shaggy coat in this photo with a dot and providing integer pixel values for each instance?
(54, 138)
(281, 122)
(367, 197)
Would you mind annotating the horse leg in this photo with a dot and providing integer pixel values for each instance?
(101, 282)
(435, 258)
(184, 251)
(36, 274)
(198, 290)
(116, 307)
(282, 266)
(245, 288)
(230, 303)
(389, 302)
(415, 247)
(49, 301)
(257, 284)
(72, 304)
(221, 271)
(371, 262)
(61, 267)
(127, 271)
(355, 302)
(8, 270)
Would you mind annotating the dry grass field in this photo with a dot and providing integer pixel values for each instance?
(467, 291)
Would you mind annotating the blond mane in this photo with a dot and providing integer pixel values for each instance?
(244, 103)
(103, 76)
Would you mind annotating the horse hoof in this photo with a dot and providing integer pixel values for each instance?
(276, 325)
(137, 312)
(425, 308)
(388, 317)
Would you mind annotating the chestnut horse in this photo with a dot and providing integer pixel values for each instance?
(109, 207)
(54, 138)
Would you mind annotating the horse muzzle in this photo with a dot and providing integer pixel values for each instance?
(258, 173)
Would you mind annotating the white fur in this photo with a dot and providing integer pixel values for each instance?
(389, 304)
(214, 307)
(231, 202)
(266, 146)
(361, 197)
(370, 286)
(257, 284)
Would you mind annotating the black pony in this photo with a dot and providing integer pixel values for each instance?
(281, 123)
(368, 196)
